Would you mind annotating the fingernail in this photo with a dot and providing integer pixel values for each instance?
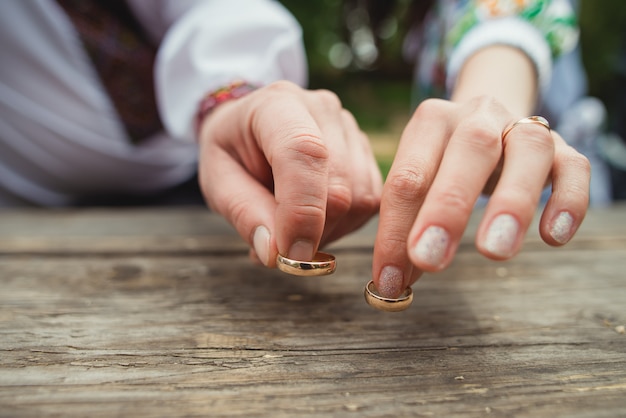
(301, 250)
(502, 236)
(432, 246)
(562, 228)
(390, 282)
(261, 244)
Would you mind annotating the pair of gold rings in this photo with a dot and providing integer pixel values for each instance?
(324, 264)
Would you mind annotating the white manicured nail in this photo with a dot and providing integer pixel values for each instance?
(432, 246)
(562, 228)
(261, 244)
(502, 236)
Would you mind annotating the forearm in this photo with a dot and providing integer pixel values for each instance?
(502, 72)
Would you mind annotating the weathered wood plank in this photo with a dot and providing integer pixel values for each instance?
(165, 332)
(197, 231)
(195, 335)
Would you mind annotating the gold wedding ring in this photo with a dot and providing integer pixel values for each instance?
(387, 304)
(321, 265)
(539, 120)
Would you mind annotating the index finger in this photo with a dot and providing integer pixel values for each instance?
(410, 177)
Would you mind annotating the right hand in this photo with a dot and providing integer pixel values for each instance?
(289, 169)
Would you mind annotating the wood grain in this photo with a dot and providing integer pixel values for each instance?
(160, 313)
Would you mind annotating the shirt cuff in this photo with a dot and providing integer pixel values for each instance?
(218, 42)
(510, 31)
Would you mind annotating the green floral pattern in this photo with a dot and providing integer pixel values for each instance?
(451, 20)
(554, 18)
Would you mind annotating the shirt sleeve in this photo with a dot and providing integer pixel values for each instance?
(542, 29)
(207, 44)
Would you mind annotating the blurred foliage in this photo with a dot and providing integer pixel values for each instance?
(376, 92)
(322, 25)
(603, 46)
(328, 23)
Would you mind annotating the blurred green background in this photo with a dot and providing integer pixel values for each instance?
(376, 85)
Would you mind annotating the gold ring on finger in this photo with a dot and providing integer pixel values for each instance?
(539, 120)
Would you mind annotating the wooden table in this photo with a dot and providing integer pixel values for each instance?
(159, 312)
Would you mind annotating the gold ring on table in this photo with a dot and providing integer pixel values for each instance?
(539, 120)
(387, 304)
(321, 265)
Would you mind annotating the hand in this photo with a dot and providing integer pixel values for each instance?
(289, 169)
(448, 154)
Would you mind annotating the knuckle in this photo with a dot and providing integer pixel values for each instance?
(578, 193)
(579, 164)
(282, 86)
(339, 199)
(486, 104)
(368, 203)
(431, 109)
(578, 161)
(311, 213)
(407, 184)
(521, 197)
(456, 199)
(365, 205)
(478, 134)
(307, 147)
(328, 99)
(485, 107)
(351, 124)
(348, 117)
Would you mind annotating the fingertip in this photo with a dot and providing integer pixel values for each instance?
(430, 251)
(261, 244)
(390, 282)
(501, 240)
(560, 228)
(303, 250)
(393, 281)
(568, 204)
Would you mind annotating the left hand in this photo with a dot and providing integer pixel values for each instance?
(448, 154)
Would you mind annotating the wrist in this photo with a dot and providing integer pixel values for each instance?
(215, 98)
(502, 72)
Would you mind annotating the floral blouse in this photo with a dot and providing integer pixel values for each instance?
(455, 29)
